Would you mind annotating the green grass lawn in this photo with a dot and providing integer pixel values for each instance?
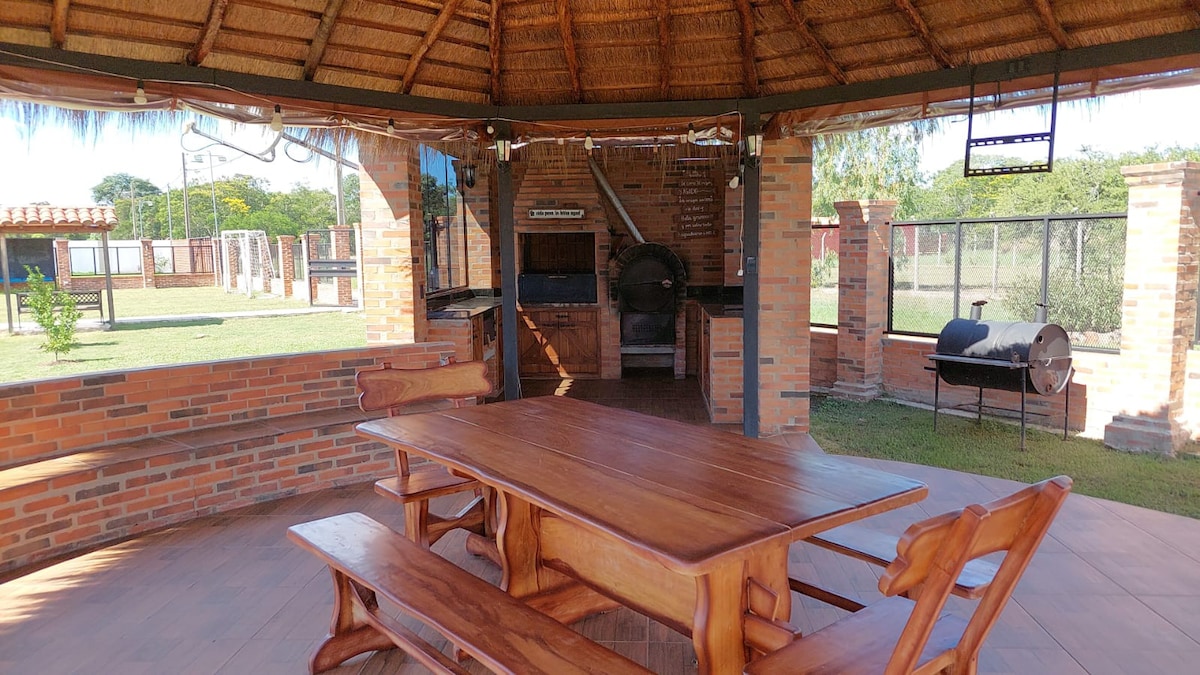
(138, 345)
(891, 431)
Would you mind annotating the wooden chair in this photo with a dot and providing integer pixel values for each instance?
(898, 635)
(414, 486)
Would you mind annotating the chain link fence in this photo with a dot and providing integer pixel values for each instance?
(1074, 264)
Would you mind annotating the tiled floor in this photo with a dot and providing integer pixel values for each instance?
(1114, 589)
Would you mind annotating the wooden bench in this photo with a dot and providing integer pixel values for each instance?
(879, 548)
(367, 558)
(84, 300)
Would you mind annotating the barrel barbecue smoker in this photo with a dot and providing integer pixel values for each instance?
(1004, 355)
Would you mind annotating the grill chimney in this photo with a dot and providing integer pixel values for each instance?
(977, 309)
(1039, 314)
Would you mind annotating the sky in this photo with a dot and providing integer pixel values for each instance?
(50, 164)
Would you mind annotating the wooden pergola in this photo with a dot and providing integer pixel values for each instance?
(50, 220)
(539, 72)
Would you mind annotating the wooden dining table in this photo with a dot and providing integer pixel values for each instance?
(689, 525)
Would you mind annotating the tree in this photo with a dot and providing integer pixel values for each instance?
(879, 163)
(433, 196)
(54, 311)
(351, 188)
(118, 185)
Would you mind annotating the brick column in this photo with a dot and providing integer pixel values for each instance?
(147, 263)
(1158, 316)
(62, 264)
(393, 244)
(310, 254)
(341, 251)
(862, 296)
(785, 271)
(287, 263)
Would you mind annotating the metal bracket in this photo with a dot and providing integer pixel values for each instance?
(991, 141)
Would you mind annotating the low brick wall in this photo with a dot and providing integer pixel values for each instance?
(76, 477)
(823, 367)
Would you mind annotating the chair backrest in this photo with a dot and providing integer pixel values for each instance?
(391, 388)
(932, 553)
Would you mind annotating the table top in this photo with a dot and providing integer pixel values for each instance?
(690, 497)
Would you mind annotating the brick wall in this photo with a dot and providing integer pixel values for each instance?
(726, 404)
(52, 417)
(823, 357)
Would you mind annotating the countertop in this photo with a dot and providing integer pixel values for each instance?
(465, 308)
(720, 310)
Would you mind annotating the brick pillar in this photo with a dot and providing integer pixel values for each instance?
(1158, 315)
(393, 244)
(147, 263)
(785, 271)
(310, 246)
(62, 264)
(341, 251)
(862, 296)
(287, 263)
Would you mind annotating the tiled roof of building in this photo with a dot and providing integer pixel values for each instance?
(57, 219)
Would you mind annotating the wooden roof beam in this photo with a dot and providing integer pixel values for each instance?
(1195, 5)
(817, 47)
(749, 71)
(1050, 23)
(922, 30)
(431, 36)
(494, 50)
(566, 28)
(208, 34)
(664, 49)
(58, 22)
(317, 49)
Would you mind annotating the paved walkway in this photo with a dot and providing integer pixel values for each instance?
(1114, 588)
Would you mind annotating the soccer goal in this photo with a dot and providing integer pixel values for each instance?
(246, 264)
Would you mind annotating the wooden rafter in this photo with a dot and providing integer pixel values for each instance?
(567, 29)
(208, 34)
(431, 36)
(1050, 23)
(664, 49)
(494, 50)
(922, 30)
(58, 22)
(749, 71)
(1195, 5)
(818, 48)
(316, 51)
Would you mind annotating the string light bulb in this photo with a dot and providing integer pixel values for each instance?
(691, 133)
(277, 120)
(391, 127)
(735, 182)
(139, 96)
(588, 143)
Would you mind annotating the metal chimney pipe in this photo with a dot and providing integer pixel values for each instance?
(977, 309)
(614, 200)
(1039, 314)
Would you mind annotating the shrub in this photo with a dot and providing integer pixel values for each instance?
(1090, 302)
(54, 311)
(825, 270)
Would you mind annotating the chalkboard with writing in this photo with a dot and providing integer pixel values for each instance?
(699, 212)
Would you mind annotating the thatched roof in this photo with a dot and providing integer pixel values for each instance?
(56, 219)
(394, 57)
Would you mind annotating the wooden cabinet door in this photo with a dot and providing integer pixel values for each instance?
(559, 342)
(577, 342)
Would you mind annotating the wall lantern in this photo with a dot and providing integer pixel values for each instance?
(503, 150)
(468, 173)
(754, 145)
